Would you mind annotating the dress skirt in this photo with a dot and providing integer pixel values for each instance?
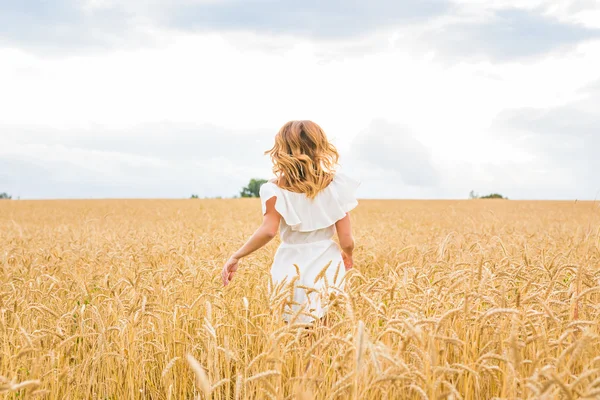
(315, 269)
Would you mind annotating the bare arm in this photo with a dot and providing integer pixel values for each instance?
(259, 238)
(263, 234)
(344, 232)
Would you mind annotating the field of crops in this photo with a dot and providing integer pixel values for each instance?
(449, 299)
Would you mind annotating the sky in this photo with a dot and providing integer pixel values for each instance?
(423, 98)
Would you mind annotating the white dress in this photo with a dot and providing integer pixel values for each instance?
(306, 229)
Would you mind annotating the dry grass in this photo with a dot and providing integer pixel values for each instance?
(469, 299)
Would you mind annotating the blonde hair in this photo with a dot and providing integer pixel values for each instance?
(303, 159)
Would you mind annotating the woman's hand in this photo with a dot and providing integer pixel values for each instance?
(229, 269)
(348, 261)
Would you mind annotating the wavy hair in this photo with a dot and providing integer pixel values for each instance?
(303, 159)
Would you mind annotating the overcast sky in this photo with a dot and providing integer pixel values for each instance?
(423, 98)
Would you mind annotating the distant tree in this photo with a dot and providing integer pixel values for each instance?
(5, 196)
(494, 196)
(253, 188)
(474, 195)
(194, 196)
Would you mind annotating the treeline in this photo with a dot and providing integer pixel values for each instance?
(474, 195)
(252, 190)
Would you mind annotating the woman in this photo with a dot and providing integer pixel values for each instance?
(308, 202)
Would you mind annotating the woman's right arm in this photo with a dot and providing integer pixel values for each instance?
(344, 232)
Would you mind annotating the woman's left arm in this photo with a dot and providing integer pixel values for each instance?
(261, 237)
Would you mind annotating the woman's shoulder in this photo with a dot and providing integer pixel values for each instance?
(268, 188)
(271, 185)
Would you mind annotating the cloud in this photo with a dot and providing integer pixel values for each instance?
(167, 160)
(534, 153)
(561, 134)
(452, 29)
(582, 5)
(507, 34)
(177, 141)
(563, 142)
(311, 18)
(30, 179)
(530, 153)
(394, 151)
(66, 25)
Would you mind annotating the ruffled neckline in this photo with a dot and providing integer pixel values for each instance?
(306, 215)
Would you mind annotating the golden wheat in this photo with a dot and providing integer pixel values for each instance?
(448, 299)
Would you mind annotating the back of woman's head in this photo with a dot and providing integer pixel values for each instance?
(303, 159)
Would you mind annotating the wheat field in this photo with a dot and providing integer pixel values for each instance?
(122, 299)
